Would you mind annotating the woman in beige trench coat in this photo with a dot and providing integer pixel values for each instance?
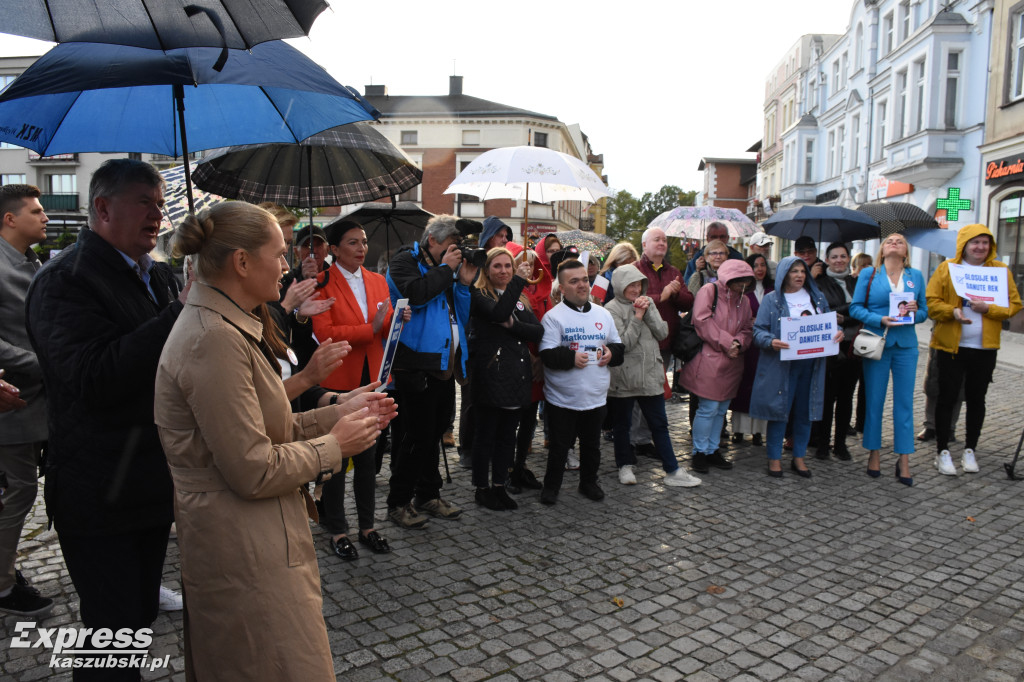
(238, 456)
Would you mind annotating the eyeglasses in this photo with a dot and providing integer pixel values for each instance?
(717, 253)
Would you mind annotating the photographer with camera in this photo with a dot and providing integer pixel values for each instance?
(431, 357)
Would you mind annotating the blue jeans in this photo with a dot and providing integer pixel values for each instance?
(653, 409)
(707, 424)
(801, 373)
(902, 362)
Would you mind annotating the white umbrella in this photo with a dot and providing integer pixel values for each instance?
(690, 222)
(529, 173)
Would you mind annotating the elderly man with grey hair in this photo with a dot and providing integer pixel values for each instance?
(431, 357)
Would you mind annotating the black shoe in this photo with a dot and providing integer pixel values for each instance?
(591, 490)
(699, 462)
(737, 437)
(842, 452)
(775, 474)
(501, 495)
(548, 496)
(757, 440)
(717, 460)
(485, 498)
(375, 542)
(802, 473)
(645, 450)
(344, 549)
(25, 601)
(926, 435)
(822, 452)
(609, 436)
(465, 459)
(524, 478)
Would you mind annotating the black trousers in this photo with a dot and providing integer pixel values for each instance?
(971, 368)
(524, 436)
(840, 381)
(364, 477)
(117, 578)
(564, 426)
(496, 441)
(426, 404)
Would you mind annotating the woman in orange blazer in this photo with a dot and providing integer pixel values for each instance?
(360, 315)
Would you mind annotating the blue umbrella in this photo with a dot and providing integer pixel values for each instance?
(825, 224)
(90, 97)
(936, 240)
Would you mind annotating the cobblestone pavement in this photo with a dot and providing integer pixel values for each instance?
(744, 578)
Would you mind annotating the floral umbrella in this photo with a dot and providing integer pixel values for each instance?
(594, 242)
(690, 222)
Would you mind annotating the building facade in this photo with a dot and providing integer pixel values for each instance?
(443, 134)
(894, 109)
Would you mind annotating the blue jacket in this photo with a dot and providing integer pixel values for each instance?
(877, 307)
(769, 399)
(426, 341)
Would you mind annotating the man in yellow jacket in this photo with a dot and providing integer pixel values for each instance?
(965, 338)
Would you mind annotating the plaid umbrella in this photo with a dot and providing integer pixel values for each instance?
(898, 216)
(176, 198)
(593, 242)
(348, 164)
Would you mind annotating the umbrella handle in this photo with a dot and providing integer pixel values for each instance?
(521, 258)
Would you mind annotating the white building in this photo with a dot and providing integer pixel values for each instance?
(894, 108)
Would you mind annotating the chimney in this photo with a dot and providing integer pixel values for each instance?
(376, 91)
(454, 85)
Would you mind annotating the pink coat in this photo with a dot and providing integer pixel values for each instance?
(712, 374)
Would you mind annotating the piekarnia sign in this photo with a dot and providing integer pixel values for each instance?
(1010, 168)
(809, 336)
(90, 648)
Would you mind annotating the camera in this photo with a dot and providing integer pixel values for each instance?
(473, 255)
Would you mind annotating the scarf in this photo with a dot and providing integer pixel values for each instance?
(840, 278)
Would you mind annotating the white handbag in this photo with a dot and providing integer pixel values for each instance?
(869, 345)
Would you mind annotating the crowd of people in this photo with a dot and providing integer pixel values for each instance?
(234, 403)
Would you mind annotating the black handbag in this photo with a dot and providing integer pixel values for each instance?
(688, 343)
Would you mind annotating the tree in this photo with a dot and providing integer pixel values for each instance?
(625, 216)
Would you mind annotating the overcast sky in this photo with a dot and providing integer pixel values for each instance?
(655, 85)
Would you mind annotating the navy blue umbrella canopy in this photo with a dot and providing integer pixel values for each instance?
(161, 24)
(824, 224)
(90, 97)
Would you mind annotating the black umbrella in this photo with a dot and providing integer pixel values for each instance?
(898, 216)
(825, 224)
(345, 165)
(161, 24)
(389, 226)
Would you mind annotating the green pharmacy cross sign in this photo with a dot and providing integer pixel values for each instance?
(953, 204)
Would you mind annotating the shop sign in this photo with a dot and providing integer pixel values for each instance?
(1009, 209)
(880, 187)
(1004, 170)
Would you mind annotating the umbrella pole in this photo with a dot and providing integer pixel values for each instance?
(526, 230)
(309, 190)
(179, 98)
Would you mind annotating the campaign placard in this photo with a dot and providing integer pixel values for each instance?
(392, 342)
(980, 283)
(809, 336)
(898, 313)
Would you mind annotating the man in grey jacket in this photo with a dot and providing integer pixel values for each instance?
(22, 431)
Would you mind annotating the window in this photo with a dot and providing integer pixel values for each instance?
(855, 142)
(1017, 57)
(410, 138)
(471, 138)
(919, 101)
(887, 29)
(952, 89)
(835, 76)
(62, 184)
(812, 94)
(809, 161)
(13, 179)
(841, 150)
(844, 66)
(4, 81)
(540, 139)
(880, 126)
(831, 154)
(904, 20)
(901, 125)
(463, 198)
(858, 48)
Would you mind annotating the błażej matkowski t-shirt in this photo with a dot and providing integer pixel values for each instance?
(578, 389)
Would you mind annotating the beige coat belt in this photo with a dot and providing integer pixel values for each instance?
(197, 480)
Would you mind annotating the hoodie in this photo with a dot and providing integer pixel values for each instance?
(492, 226)
(642, 372)
(943, 299)
(539, 294)
(712, 374)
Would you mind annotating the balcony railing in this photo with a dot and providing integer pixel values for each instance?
(59, 202)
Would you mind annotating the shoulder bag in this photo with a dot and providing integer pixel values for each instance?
(866, 344)
(688, 343)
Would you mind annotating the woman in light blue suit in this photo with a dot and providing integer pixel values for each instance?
(870, 305)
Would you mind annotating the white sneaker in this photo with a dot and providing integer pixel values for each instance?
(944, 463)
(169, 600)
(626, 476)
(968, 462)
(572, 462)
(682, 479)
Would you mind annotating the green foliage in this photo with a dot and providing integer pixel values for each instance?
(629, 216)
